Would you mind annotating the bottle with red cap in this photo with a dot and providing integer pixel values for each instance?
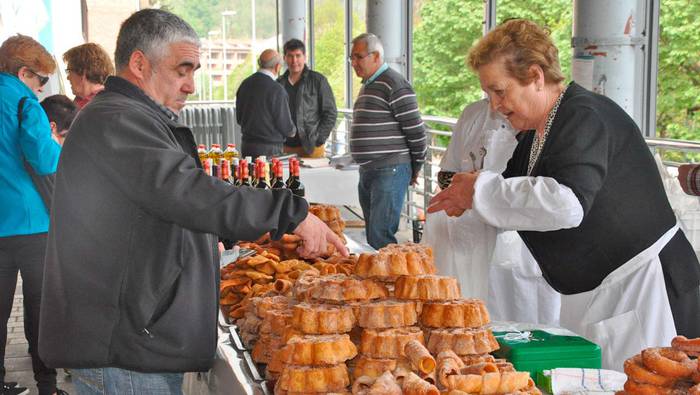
(202, 153)
(231, 152)
(216, 154)
(278, 169)
(261, 175)
(294, 181)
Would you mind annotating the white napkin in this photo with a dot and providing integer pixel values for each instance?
(574, 381)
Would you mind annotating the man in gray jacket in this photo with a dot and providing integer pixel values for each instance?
(131, 279)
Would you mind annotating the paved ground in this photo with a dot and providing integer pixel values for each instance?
(18, 364)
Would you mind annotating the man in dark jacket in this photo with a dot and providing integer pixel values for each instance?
(311, 103)
(262, 109)
(131, 279)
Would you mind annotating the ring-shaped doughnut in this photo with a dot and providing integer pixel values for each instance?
(634, 388)
(667, 361)
(635, 370)
(690, 346)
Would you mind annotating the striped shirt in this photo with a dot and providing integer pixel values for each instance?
(387, 128)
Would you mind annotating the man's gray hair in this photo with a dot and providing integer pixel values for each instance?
(374, 44)
(151, 31)
(270, 63)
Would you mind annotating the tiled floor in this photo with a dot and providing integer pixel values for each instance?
(18, 363)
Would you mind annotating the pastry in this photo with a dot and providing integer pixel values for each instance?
(385, 384)
(414, 385)
(387, 314)
(463, 341)
(388, 343)
(489, 383)
(420, 358)
(341, 288)
(374, 367)
(463, 313)
(396, 260)
(314, 378)
(322, 319)
(426, 287)
(318, 350)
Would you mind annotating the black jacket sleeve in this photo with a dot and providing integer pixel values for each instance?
(327, 110)
(143, 159)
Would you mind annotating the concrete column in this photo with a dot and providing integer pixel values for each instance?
(293, 20)
(385, 19)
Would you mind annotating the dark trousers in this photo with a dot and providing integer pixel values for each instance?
(255, 149)
(24, 254)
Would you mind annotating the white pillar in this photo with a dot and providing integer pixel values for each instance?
(293, 20)
(385, 20)
(608, 45)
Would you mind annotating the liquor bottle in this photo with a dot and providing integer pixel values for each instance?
(231, 152)
(216, 154)
(273, 171)
(294, 182)
(244, 178)
(279, 176)
(207, 165)
(202, 153)
(251, 165)
(234, 171)
(225, 171)
(215, 170)
(261, 175)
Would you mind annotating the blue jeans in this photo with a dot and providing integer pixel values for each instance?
(382, 192)
(115, 381)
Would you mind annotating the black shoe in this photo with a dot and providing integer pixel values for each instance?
(60, 392)
(12, 389)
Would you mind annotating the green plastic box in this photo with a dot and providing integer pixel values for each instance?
(542, 351)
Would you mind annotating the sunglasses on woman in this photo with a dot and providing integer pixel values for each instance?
(42, 79)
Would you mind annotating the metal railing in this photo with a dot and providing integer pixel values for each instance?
(215, 122)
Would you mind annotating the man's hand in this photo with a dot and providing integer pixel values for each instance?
(683, 171)
(414, 177)
(314, 235)
(458, 197)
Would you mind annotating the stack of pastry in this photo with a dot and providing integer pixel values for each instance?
(272, 312)
(396, 260)
(665, 370)
(314, 362)
(331, 216)
(459, 325)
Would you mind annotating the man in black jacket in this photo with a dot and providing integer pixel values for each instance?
(262, 109)
(311, 103)
(132, 268)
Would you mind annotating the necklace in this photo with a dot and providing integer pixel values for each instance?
(538, 142)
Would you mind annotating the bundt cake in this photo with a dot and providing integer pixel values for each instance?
(426, 287)
(388, 343)
(318, 350)
(387, 314)
(463, 341)
(322, 319)
(464, 313)
(396, 260)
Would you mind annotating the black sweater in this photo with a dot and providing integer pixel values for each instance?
(262, 110)
(597, 150)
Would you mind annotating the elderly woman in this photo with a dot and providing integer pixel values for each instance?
(87, 67)
(583, 191)
(25, 137)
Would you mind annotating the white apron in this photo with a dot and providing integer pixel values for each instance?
(471, 250)
(628, 311)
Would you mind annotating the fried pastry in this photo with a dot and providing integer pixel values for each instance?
(426, 287)
(341, 288)
(463, 341)
(463, 313)
(396, 260)
(322, 319)
(318, 350)
(387, 314)
(388, 343)
(314, 378)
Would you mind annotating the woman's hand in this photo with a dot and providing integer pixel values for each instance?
(458, 197)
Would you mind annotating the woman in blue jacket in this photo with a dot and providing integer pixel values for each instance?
(24, 218)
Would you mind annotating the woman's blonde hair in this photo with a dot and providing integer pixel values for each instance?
(18, 51)
(521, 44)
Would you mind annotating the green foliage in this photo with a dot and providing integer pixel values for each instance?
(678, 95)
(205, 16)
(447, 29)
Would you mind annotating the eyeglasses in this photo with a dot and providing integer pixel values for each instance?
(357, 58)
(42, 79)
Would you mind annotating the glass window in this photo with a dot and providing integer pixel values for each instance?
(329, 39)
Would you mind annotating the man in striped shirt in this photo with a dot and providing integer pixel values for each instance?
(387, 139)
